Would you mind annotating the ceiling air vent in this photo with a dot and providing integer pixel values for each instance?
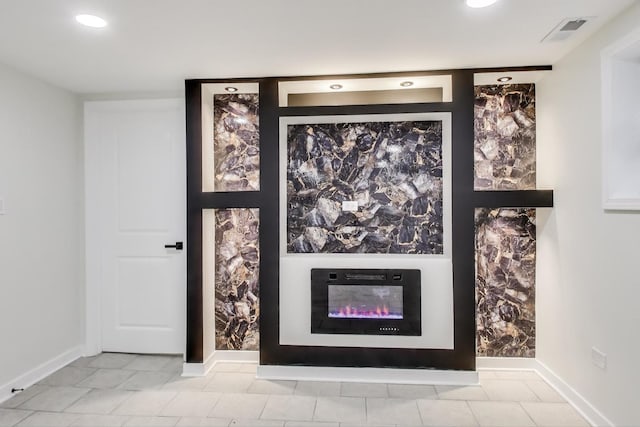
(565, 29)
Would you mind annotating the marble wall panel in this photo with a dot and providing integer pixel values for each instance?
(237, 257)
(393, 170)
(236, 142)
(505, 137)
(505, 282)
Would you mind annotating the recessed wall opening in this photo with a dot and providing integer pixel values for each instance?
(620, 124)
(365, 91)
(230, 132)
(369, 97)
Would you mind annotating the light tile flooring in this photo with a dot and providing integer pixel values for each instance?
(132, 390)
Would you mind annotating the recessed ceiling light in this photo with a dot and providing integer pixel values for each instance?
(480, 3)
(91, 21)
(231, 89)
(505, 79)
(406, 84)
(336, 86)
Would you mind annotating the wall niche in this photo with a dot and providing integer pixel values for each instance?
(505, 282)
(505, 243)
(505, 137)
(365, 187)
(621, 124)
(237, 288)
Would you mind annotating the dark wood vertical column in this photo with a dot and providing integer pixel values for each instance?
(269, 221)
(462, 219)
(194, 348)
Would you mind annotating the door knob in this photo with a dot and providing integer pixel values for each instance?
(178, 246)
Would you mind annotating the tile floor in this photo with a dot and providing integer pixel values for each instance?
(133, 390)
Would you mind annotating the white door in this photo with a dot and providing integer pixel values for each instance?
(135, 205)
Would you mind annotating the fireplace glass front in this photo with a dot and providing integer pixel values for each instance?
(365, 302)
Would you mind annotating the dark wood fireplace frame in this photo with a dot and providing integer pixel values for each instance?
(464, 202)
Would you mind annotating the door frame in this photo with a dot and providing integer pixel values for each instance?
(95, 214)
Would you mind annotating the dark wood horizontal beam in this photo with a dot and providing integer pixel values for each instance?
(512, 69)
(376, 75)
(230, 200)
(513, 199)
(338, 110)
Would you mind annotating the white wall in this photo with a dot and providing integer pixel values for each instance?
(588, 260)
(41, 234)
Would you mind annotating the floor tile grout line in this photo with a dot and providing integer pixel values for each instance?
(538, 398)
(473, 414)
(25, 418)
(366, 411)
(541, 399)
(419, 412)
(315, 405)
(115, 408)
(527, 413)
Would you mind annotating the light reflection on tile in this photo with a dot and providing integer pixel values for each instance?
(303, 405)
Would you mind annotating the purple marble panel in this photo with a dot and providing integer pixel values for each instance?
(236, 142)
(505, 137)
(505, 282)
(237, 257)
(389, 172)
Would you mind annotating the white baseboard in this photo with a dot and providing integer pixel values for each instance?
(193, 370)
(219, 356)
(575, 399)
(506, 363)
(198, 369)
(39, 372)
(90, 350)
(582, 405)
(369, 375)
(237, 356)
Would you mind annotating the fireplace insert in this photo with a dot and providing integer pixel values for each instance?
(365, 301)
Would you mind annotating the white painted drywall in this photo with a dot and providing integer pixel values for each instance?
(41, 233)
(588, 277)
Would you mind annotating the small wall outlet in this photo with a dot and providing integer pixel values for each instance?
(350, 206)
(598, 358)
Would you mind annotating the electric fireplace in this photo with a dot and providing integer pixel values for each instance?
(365, 301)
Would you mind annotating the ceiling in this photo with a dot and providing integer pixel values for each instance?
(153, 45)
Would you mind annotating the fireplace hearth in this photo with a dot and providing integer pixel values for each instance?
(365, 301)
